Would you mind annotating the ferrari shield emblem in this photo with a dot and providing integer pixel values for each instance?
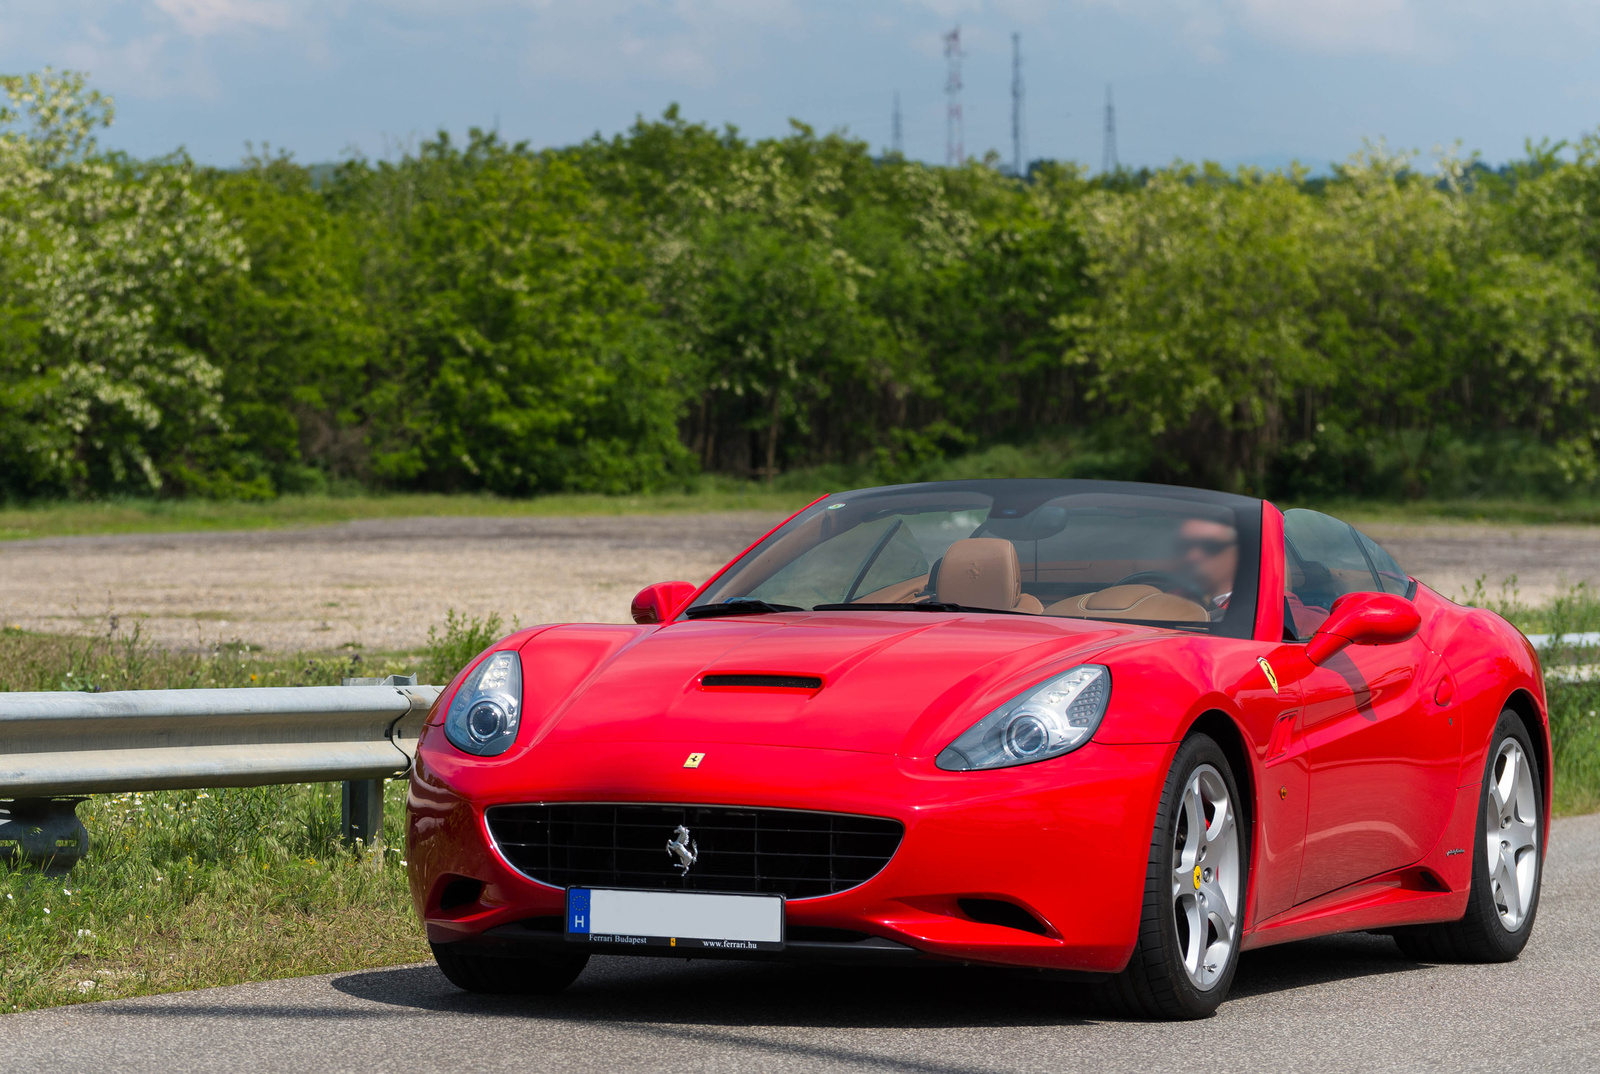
(1266, 668)
(694, 760)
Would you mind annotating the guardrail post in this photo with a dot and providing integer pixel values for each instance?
(361, 811)
(361, 801)
(43, 832)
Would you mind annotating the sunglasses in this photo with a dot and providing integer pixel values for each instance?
(1210, 546)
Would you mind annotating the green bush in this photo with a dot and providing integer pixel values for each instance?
(619, 315)
(452, 649)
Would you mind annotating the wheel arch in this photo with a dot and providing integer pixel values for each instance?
(1226, 733)
(1527, 709)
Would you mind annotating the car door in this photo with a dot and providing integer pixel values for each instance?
(1381, 757)
(1275, 718)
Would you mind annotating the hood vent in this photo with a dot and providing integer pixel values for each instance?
(762, 682)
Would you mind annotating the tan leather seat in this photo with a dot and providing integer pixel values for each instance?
(1131, 602)
(983, 572)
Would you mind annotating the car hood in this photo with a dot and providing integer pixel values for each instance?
(892, 682)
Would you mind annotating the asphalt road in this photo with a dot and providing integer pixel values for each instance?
(1344, 1004)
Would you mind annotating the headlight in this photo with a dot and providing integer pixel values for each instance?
(484, 714)
(1055, 717)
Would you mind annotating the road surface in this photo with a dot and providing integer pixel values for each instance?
(1343, 1004)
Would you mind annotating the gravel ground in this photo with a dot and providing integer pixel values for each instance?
(382, 583)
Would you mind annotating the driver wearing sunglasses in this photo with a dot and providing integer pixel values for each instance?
(1209, 553)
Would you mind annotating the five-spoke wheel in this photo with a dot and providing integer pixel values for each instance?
(1511, 833)
(1205, 877)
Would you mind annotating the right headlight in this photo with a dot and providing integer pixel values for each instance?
(1053, 718)
(485, 712)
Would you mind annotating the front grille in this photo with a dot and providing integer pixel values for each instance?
(779, 851)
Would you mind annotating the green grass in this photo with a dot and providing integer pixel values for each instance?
(19, 522)
(194, 889)
(170, 516)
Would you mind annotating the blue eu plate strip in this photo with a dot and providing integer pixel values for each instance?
(578, 910)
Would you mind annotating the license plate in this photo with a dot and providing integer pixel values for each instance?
(692, 919)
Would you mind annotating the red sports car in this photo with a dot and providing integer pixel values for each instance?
(1118, 731)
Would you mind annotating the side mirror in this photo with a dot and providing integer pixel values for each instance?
(1363, 619)
(660, 602)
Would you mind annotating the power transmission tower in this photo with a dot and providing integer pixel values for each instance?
(1108, 157)
(955, 153)
(1018, 156)
(896, 141)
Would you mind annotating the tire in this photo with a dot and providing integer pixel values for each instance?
(1178, 971)
(1493, 929)
(516, 975)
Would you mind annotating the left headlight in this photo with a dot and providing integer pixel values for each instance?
(1055, 717)
(484, 714)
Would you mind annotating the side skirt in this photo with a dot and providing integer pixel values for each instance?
(1415, 895)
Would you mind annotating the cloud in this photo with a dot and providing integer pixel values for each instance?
(1336, 26)
(204, 18)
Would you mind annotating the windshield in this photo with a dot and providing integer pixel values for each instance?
(1079, 549)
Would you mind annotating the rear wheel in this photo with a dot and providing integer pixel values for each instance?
(1188, 946)
(520, 975)
(1507, 861)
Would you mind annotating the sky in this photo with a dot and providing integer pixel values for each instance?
(1237, 81)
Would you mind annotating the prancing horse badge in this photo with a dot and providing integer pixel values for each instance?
(694, 760)
(1272, 676)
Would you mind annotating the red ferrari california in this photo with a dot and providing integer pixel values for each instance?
(1117, 731)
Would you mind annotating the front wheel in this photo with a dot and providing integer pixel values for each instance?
(1188, 945)
(538, 975)
(1507, 861)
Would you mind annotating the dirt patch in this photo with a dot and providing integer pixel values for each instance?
(1544, 560)
(381, 583)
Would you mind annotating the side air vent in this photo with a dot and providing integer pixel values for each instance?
(763, 682)
(999, 912)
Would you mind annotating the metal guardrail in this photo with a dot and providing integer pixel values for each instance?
(1588, 637)
(56, 747)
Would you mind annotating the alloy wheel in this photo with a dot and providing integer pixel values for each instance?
(1511, 834)
(1205, 877)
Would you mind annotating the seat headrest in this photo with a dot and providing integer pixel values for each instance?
(981, 572)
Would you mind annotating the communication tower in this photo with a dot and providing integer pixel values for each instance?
(955, 153)
(1108, 156)
(1019, 156)
(896, 142)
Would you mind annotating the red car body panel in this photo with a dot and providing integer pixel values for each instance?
(1361, 776)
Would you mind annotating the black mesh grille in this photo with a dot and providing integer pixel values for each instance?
(789, 852)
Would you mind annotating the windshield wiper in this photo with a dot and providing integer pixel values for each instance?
(738, 606)
(930, 606)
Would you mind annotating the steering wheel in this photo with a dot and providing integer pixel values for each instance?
(1167, 582)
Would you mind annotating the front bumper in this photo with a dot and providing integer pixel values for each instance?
(1065, 840)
